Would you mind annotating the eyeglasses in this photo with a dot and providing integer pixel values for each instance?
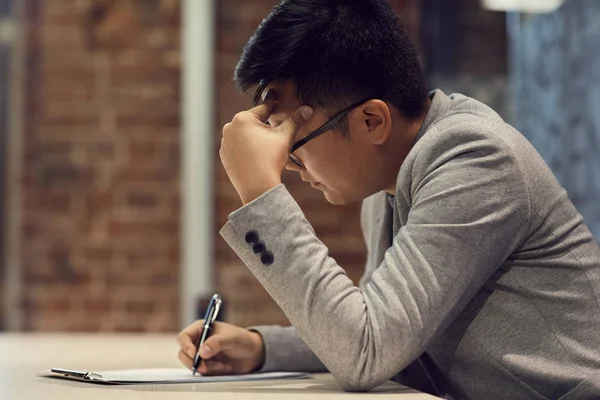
(321, 130)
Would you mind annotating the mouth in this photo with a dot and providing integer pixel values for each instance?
(315, 185)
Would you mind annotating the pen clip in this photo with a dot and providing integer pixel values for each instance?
(212, 310)
(70, 373)
(93, 376)
(217, 307)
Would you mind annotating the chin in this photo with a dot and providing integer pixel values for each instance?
(336, 199)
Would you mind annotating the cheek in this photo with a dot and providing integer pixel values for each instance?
(331, 165)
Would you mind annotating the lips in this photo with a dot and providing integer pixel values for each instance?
(313, 184)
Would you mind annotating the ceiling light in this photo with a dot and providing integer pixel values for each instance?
(529, 6)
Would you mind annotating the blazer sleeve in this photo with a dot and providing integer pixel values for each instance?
(468, 213)
(286, 351)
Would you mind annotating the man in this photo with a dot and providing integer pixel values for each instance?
(481, 280)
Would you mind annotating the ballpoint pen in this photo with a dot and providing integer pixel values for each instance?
(211, 314)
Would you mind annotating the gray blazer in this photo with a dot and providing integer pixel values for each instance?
(481, 282)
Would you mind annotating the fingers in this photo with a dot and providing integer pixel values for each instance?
(187, 338)
(214, 345)
(214, 368)
(296, 119)
(185, 359)
(207, 367)
(264, 110)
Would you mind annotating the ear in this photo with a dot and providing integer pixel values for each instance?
(378, 120)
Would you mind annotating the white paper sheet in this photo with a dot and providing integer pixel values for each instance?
(173, 375)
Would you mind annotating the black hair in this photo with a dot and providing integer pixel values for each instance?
(335, 52)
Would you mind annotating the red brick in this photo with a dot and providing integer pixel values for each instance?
(97, 306)
(96, 202)
(99, 255)
(141, 174)
(57, 37)
(98, 151)
(56, 202)
(140, 199)
(134, 306)
(67, 174)
(143, 228)
(144, 119)
(68, 114)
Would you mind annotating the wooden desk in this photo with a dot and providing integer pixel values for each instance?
(23, 356)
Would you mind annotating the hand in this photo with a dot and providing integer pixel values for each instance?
(228, 350)
(253, 153)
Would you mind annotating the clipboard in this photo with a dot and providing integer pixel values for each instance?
(76, 375)
(151, 376)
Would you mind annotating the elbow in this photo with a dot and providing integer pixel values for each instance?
(363, 370)
(352, 385)
(358, 382)
(356, 386)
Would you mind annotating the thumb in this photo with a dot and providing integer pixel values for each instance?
(212, 346)
(296, 119)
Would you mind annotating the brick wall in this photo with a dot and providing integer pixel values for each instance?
(338, 227)
(100, 230)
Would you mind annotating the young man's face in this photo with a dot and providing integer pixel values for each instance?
(344, 167)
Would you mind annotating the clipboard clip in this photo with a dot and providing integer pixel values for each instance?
(70, 373)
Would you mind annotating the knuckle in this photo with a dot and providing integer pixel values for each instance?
(210, 368)
(216, 343)
(295, 119)
(239, 117)
(226, 128)
(182, 357)
(218, 368)
(183, 339)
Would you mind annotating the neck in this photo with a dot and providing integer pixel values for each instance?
(404, 140)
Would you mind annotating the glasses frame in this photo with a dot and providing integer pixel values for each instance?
(322, 129)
